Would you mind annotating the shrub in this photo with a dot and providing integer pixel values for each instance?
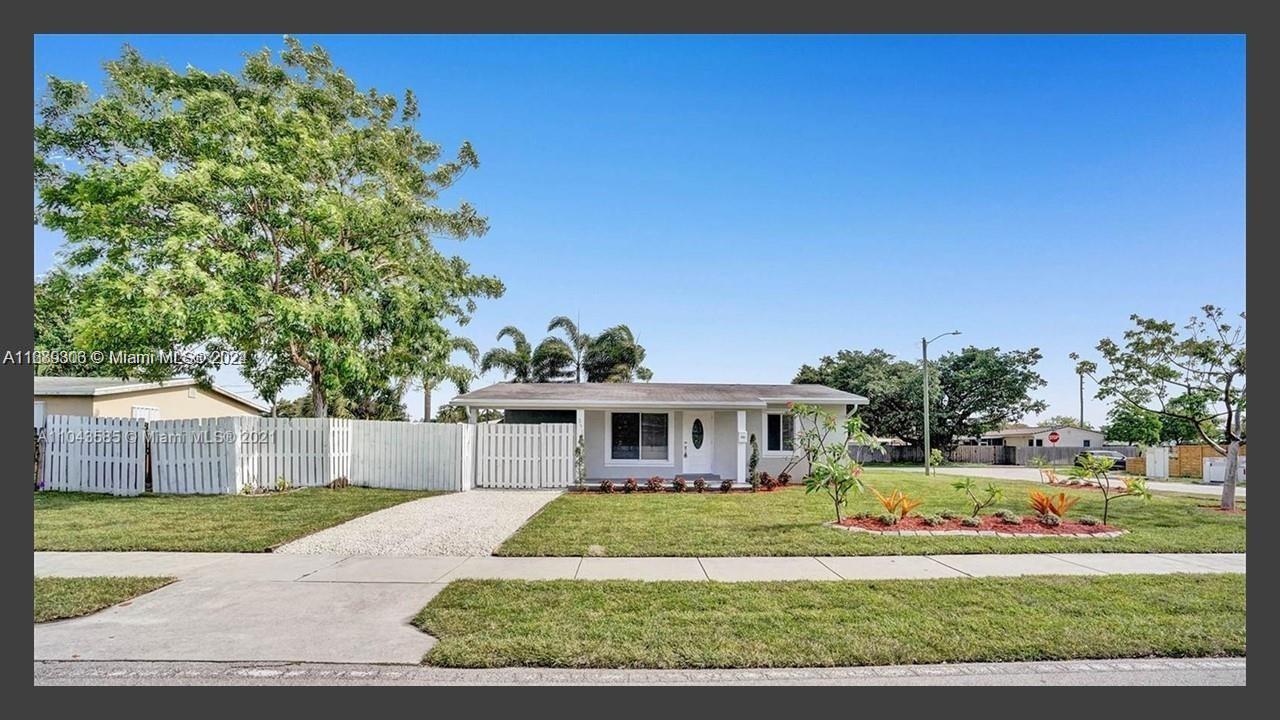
(680, 485)
(1050, 520)
(784, 478)
(1011, 519)
(726, 485)
(1089, 520)
(934, 520)
(767, 481)
(887, 518)
(970, 521)
(1052, 504)
(630, 485)
(654, 484)
(863, 515)
(700, 484)
(936, 458)
(949, 515)
(282, 484)
(606, 486)
(992, 494)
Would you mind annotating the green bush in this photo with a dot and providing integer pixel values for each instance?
(1089, 520)
(1011, 519)
(934, 520)
(949, 515)
(1050, 520)
(971, 521)
(887, 519)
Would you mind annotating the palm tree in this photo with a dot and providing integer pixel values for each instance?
(460, 376)
(548, 362)
(615, 356)
(577, 344)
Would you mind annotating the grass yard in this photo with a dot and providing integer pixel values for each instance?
(616, 624)
(57, 598)
(790, 522)
(200, 523)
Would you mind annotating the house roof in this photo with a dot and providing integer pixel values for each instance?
(607, 395)
(98, 386)
(1007, 432)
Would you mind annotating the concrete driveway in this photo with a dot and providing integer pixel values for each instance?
(1029, 474)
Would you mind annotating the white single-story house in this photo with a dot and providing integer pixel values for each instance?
(667, 429)
(1067, 436)
(175, 399)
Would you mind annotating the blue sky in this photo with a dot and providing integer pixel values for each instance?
(748, 204)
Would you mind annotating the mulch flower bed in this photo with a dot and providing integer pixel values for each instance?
(990, 525)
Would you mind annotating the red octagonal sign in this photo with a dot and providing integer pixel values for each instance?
(1054, 437)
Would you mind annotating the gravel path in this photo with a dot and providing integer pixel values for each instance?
(465, 523)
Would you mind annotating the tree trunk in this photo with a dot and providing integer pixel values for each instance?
(319, 406)
(1229, 480)
(426, 403)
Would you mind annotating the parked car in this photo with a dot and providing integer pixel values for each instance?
(1117, 458)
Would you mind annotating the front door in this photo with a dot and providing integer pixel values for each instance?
(699, 429)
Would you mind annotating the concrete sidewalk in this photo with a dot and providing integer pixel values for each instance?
(318, 569)
(1030, 474)
(1143, 671)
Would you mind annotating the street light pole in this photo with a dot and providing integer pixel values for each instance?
(924, 362)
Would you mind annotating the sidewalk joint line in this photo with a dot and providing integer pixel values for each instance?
(828, 567)
(703, 568)
(949, 567)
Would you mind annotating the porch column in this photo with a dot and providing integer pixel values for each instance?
(468, 459)
(579, 430)
(742, 446)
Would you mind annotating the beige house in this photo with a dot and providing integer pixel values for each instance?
(174, 399)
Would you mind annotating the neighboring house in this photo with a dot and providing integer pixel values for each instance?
(174, 399)
(1068, 436)
(667, 429)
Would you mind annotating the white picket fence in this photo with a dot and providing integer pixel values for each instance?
(229, 454)
(87, 454)
(525, 455)
(408, 456)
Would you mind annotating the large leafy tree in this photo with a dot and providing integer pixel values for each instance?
(281, 211)
(524, 363)
(1128, 424)
(1064, 421)
(613, 355)
(971, 391)
(57, 295)
(1156, 362)
(884, 380)
(384, 403)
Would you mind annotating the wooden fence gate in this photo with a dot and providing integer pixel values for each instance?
(525, 455)
(90, 454)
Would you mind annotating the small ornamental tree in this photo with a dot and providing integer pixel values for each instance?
(823, 441)
(1095, 468)
(754, 461)
(1156, 363)
(992, 494)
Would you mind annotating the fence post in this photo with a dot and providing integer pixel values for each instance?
(467, 462)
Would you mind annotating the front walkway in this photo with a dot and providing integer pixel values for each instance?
(1143, 671)
(466, 523)
(1030, 474)
(230, 607)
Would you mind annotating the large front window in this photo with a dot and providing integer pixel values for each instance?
(639, 436)
(779, 432)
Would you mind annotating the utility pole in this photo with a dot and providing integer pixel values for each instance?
(1081, 401)
(924, 362)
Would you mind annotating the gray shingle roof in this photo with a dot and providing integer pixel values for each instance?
(570, 395)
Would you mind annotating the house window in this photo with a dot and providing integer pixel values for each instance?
(1039, 442)
(146, 412)
(1031, 443)
(1086, 443)
(779, 432)
(637, 437)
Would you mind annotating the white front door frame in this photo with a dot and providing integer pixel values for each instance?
(698, 460)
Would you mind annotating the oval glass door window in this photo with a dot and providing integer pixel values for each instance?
(696, 432)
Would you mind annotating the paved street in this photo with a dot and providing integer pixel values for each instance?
(1145, 671)
(1030, 474)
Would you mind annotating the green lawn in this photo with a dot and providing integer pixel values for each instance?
(789, 522)
(201, 523)
(578, 623)
(67, 597)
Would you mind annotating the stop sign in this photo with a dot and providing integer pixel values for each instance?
(1054, 437)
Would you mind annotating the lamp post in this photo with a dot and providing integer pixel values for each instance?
(924, 357)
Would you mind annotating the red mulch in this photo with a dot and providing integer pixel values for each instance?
(989, 522)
